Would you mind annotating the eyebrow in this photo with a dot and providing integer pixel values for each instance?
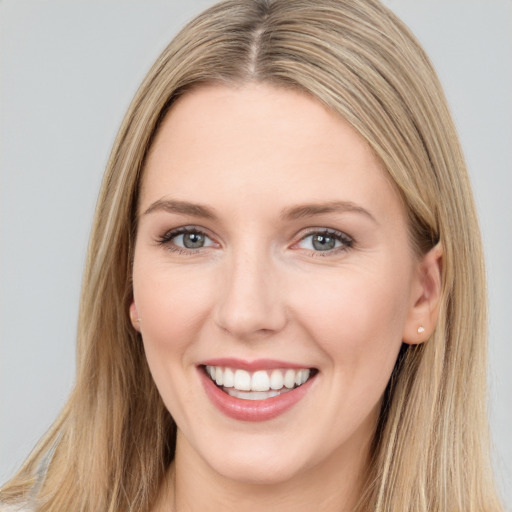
(310, 210)
(183, 207)
(290, 213)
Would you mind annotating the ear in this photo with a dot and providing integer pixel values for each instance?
(422, 317)
(134, 316)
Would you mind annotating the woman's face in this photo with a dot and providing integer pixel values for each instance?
(271, 251)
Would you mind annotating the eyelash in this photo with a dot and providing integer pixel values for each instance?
(346, 241)
(166, 239)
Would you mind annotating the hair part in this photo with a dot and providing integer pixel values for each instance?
(114, 440)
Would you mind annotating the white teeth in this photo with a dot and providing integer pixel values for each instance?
(218, 376)
(261, 382)
(229, 378)
(242, 380)
(289, 379)
(253, 395)
(301, 377)
(304, 376)
(276, 379)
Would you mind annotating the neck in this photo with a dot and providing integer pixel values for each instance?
(333, 485)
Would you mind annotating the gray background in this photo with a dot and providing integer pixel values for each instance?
(68, 70)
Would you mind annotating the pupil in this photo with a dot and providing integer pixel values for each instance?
(193, 240)
(323, 243)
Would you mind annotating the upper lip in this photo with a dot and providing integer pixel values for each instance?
(251, 366)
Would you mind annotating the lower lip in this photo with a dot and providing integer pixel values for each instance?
(253, 410)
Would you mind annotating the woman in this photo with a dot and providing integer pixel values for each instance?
(278, 306)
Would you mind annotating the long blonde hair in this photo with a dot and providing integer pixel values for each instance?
(111, 445)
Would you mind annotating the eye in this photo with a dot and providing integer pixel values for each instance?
(325, 240)
(190, 240)
(187, 238)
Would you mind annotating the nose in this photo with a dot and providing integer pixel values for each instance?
(250, 302)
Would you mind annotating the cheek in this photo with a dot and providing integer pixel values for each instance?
(172, 308)
(357, 320)
(171, 305)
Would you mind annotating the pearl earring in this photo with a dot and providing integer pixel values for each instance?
(421, 329)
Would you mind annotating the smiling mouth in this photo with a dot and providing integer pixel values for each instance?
(260, 384)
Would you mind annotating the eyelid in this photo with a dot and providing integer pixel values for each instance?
(347, 242)
(166, 239)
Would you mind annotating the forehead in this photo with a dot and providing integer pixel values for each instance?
(220, 142)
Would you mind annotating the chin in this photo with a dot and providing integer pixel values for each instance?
(255, 472)
(254, 461)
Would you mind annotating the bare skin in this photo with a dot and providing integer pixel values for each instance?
(268, 230)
